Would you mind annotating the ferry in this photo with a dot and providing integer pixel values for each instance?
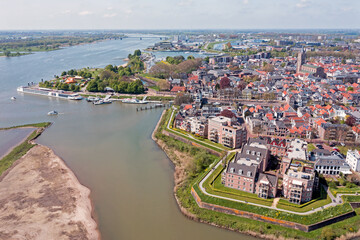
(134, 100)
(49, 92)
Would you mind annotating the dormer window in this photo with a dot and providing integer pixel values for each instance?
(240, 171)
(247, 151)
(253, 153)
(258, 154)
(232, 170)
(249, 174)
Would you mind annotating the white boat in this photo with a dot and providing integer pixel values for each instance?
(75, 97)
(13, 98)
(49, 92)
(52, 113)
(134, 100)
(102, 101)
(93, 99)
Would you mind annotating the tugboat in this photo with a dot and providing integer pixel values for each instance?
(52, 113)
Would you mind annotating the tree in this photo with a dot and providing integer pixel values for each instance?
(242, 85)
(350, 121)
(106, 74)
(63, 73)
(224, 82)
(163, 84)
(92, 86)
(182, 98)
(7, 53)
(111, 68)
(268, 68)
(190, 57)
(137, 53)
(227, 113)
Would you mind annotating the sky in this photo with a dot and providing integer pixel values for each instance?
(179, 14)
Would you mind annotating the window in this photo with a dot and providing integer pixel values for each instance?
(249, 174)
(253, 153)
(259, 154)
(247, 152)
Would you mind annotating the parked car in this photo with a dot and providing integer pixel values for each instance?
(332, 145)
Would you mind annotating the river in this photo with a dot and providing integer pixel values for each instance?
(108, 147)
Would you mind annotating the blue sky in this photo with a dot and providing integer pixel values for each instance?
(178, 14)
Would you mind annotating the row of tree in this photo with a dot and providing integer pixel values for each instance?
(120, 86)
(164, 71)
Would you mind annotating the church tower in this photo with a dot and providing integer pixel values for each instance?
(300, 60)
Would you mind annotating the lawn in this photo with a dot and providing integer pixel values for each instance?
(145, 75)
(351, 198)
(344, 149)
(217, 188)
(344, 190)
(36, 125)
(322, 200)
(302, 219)
(310, 147)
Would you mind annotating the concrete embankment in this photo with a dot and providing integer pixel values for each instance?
(41, 198)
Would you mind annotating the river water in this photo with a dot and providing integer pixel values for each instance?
(108, 147)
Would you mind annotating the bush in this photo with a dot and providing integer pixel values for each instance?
(328, 234)
(350, 185)
(332, 184)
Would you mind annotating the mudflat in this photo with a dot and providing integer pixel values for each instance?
(41, 198)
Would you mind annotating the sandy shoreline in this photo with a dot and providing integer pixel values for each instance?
(41, 198)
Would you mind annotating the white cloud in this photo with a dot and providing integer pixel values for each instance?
(302, 4)
(110, 15)
(185, 3)
(68, 11)
(245, 1)
(85, 13)
(110, 8)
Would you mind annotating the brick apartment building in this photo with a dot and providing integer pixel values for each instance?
(226, 131)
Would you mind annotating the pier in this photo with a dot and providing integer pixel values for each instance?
(153, 107)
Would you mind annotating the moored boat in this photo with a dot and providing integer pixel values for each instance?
(102, 101)
(134, 100)
(52, 113)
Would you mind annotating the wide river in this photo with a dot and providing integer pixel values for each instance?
(108, 147)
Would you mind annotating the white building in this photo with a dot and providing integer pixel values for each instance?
(353, 159)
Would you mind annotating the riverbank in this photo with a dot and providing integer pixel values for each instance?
(41, 198)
